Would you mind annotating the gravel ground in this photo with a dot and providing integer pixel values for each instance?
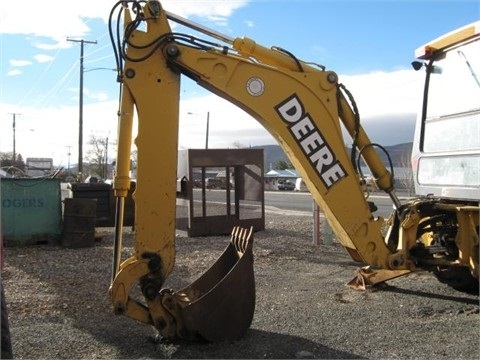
(59, 308)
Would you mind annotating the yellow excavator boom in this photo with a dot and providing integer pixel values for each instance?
(304, 107)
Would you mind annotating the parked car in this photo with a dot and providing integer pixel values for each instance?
(285, 185)
(215, 183)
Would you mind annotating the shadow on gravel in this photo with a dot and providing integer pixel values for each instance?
(461, 298)
(136, 341)
(259, 344)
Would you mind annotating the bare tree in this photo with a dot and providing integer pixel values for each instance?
(282, 165)
(133, 163)
(238, 145)
(96, 155)
(15, 168)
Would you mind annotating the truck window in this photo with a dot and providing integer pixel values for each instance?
(451, 128)
(452, 121)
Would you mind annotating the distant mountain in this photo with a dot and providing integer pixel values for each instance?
(271, 154)
(399, 154)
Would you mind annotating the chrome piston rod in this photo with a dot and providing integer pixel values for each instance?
(193, 25)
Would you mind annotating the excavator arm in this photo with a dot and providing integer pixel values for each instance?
(300, 109)
(303, 106)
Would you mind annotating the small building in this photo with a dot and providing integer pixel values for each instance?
(38, 167)
(273, 177)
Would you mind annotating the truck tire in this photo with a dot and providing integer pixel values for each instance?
(5, 334)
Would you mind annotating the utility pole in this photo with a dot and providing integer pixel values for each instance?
(206, 133)
(14, 157)
(208, 126)
(68, 154)
(80, 105)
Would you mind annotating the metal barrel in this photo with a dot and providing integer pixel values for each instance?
(79, 222)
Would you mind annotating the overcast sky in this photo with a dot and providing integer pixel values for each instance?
(370, 44)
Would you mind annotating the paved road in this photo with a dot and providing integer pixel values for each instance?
(303, 202)
(300, 202)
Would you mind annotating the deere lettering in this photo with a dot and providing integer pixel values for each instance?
(311, 141)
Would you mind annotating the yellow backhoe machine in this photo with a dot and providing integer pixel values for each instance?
(305, 108)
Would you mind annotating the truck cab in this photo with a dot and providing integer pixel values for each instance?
(446, 151)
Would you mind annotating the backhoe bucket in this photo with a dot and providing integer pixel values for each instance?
(219, 306)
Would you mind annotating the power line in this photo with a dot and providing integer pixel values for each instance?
(64, 78)
(49, 96)
(32, 88)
